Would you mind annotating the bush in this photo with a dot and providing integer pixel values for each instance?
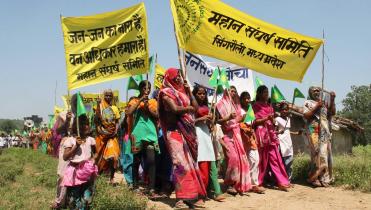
(354, 171)
(350, 171)
(300, 167)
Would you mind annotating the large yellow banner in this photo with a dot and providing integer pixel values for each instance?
(159, 75)
(106, 46)
(215, 29)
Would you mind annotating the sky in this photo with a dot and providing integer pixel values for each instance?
(32, 62)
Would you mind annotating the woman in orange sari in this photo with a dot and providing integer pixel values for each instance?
(106, 121)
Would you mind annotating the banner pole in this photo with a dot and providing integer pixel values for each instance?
(179, 56)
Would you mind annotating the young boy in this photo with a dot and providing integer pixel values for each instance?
(284, 134)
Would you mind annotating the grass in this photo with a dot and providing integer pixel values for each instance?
(350, 171)
(28, 180)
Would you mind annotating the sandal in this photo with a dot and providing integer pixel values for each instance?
(258, 190)
(180, 205)
(325, 184)
(152, 195)
(283, 188)
(315, 183)
(199, 204)
(232, 191)
(219, 198)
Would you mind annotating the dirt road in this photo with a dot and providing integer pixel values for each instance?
(299, 198)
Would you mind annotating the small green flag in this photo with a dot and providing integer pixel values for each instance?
(80, 105)
(276, 96)
(278, 90)
(250, 115)
(219, 89)
(298, 94)
(132, 84)
(138, 78)
(224, 78)
(51, 121)
(213, 81)
(151, 64)
(258, 82)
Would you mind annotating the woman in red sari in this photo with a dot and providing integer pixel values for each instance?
(269, 155)
(237, 176)
(176, 110)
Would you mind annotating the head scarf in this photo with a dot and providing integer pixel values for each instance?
(169, 82)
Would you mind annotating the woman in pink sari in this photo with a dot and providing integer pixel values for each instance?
(269, 155)
(176, 117)
(237, 176)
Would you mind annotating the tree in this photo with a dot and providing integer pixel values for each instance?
(357, 107)
(8, 126)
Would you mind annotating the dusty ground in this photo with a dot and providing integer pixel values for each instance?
(300, 197)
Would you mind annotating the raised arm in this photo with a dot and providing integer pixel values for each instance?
(69, 152)
(309, 114)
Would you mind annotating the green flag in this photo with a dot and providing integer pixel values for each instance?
(298, 94)
(51, 121)
(280, 93)
(138, 78)
(224, 79)
(213, 81)
(258, 82)
(151, 64)
(132, 84)
(80, 105)
(219, 89)
(276, 96)
(250, 115)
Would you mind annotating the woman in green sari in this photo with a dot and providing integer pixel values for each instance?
(142, 115)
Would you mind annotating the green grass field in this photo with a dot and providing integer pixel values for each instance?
(28, 180)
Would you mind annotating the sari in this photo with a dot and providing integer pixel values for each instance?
(143, 125)
(238, 170)
(269, 155)
(107, 143)
(181, 141)
(44, 144)
(319, 139)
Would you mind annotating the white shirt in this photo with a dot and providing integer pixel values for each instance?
(285, 138)
(84, 151)
(2, 141)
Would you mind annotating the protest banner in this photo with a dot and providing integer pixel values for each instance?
(215, 29)
(106, 46)
(199, 73)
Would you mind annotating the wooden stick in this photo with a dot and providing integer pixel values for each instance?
(179, 56)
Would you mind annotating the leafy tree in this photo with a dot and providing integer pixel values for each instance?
(357, 107)
(8, 126)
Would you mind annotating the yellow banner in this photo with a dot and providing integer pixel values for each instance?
(159, 75)
(91, 98)
(58, 110)
(215, 29)
(106, 46)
